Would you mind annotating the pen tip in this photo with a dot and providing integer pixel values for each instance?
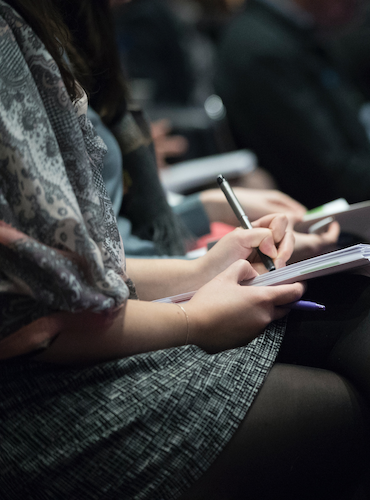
(220, 179)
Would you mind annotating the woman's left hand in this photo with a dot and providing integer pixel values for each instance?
(269, 234)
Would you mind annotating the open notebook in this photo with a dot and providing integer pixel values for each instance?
(356, 257)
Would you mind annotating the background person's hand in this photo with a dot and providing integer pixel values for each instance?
(255, 202)
(165, 144)
(310, 245)
(260, 202)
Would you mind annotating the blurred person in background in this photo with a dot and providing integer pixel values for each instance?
(287, 100)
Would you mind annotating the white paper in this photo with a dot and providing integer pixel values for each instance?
(356, 257)
(194, 174)
(341, 260)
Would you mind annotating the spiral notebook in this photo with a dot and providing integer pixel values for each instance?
(355, 258)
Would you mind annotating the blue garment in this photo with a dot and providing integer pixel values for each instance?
(113, 178)
(112, 172)
(190, 210)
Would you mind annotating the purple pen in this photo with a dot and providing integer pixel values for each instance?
(306, 305)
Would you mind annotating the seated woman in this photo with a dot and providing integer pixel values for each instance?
(106, 396)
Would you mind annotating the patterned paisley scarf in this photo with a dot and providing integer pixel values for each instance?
(59, 245)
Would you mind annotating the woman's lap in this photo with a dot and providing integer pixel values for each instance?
(306, 422)
(142, 427)
(337, 339)
(306, 436)
(307, 432)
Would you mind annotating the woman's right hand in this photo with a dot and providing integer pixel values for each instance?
(224, 314)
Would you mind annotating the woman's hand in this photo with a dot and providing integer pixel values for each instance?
(224, 314)
(221, 315)
(269, 234)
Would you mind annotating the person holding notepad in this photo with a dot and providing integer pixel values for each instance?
(289, 101)
(106, 396)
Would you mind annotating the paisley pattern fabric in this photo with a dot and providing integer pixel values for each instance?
(51, 191)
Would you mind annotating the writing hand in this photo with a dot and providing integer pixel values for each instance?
(270, 235)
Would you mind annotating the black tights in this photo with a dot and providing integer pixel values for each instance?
(307, 434)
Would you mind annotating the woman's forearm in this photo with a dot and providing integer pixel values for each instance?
(158, 278)
(221, 315)
(138, 327)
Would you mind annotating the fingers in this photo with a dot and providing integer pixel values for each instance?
(174, 145)
(283, 202)
(277, 223)
(258, 237)
(282, 305)
(285, 250)
(281, 295)
(160, 128)
(293, 205)
(332, 234)
(273, 241)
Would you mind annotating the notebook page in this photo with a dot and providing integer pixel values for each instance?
(332, 262)
(355, 257)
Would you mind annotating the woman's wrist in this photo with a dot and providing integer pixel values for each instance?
(187, 323)
(138, 327)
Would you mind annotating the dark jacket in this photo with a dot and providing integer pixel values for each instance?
(151, 41)
(287, 102)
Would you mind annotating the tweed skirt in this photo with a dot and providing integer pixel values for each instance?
(145, 427)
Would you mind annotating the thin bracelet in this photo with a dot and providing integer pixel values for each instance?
(187, 323)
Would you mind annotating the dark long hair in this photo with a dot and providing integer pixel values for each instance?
(47, 23)
(92, 29)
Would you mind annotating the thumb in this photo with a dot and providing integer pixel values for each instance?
(240, 270)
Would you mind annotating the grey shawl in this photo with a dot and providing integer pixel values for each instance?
(60, 249)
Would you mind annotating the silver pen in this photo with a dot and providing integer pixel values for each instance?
(240, 214)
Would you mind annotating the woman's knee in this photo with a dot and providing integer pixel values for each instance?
(305, 436)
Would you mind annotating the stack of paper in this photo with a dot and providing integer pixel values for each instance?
(356, 257)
